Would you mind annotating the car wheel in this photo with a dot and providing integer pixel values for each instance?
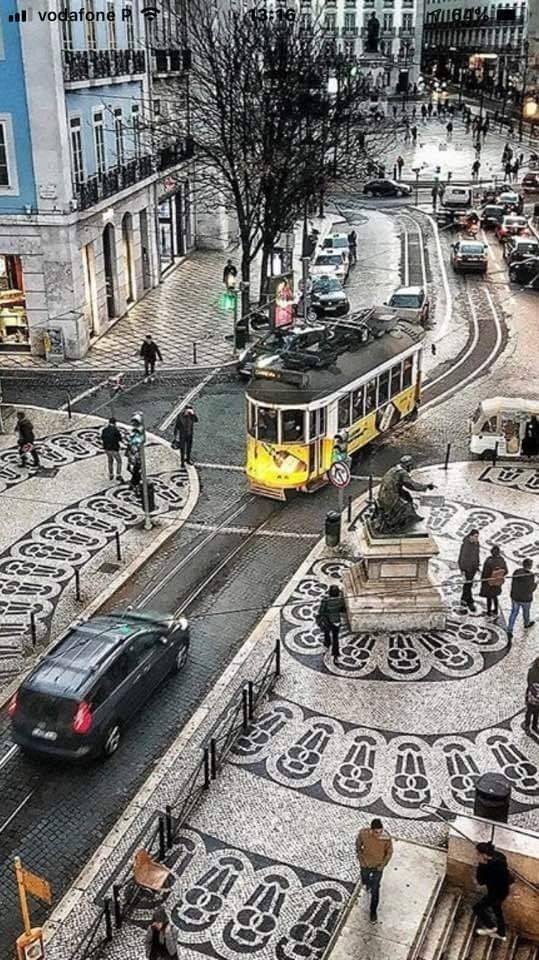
(181, 658)
(512, 276)
(486, 455)
(111, 740)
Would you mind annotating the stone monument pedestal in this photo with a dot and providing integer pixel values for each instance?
(391, 588)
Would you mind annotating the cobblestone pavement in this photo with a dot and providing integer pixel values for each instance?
(64, 520)
(403, 722)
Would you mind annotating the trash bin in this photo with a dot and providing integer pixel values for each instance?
(492, 797)
(151, 496)
(240, 338)
(333, 528)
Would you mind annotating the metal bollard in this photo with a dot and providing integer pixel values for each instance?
(349, 510)
(245, 704)
(68, 406)
(118, 546)
(77, 586)
(162, 844)
(33, 631)
(117, 905)
(108, 919)
(168, 825)
(447, 456)
(278, 657)
(213, 759)
(495, 454)
(251, 699)
(370, 488)
(206, 769)
(194, 353)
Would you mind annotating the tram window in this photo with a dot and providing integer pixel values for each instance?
(395, 380)
(383, 388)
(267, 424)
(251, 419)
(407, 373)
(293, 426)
(317, 423)
(357, 404)
(343, 418)
(370, 396)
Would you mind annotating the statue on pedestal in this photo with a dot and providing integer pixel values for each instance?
(373, 32)
(394, 511)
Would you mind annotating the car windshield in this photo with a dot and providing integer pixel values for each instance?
(515, 221)
(406, 300)
(531, 247)
(471, 248)
(336, 242)
(327, 285)
(328, 260)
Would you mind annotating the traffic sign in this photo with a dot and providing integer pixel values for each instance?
(339, 474)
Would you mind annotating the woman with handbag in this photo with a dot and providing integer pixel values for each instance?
(492, 578)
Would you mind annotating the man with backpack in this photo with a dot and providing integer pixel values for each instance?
(492, 873)
(523, 585)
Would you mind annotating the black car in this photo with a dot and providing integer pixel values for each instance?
(520, 248)
(327, 299)
(77, 701)
(492, 215)
(267, 349)
(525, 272)
(386, 188)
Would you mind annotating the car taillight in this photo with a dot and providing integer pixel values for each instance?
(13, 704)
(82, 721)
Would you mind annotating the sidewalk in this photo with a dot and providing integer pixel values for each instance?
(266, 864)
(64, 520)
(182, 313)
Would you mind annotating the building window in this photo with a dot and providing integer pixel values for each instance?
(99, 142)
(67, 35)
(330, 21)
(89, 26)
(111, 25)
(129, 26)
(76, 152)
(388, 21)
(119, 136)
(4, 170)
(407, 22)
(349, 21)
(135, 119)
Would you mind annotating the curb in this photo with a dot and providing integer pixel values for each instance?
(123, 576)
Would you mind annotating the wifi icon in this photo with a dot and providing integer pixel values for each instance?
(149, 12)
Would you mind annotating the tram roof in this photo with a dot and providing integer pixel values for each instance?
(349, 366)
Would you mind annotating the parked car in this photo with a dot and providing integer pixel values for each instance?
(269, 348)
(512, 226)
(329, 265)
(469, 255)
(338, 243)
(525, 272)
(492, 215)
(386, 188)
(530, 182)
(453, 197)
(520, 248)
(511, 200)
(327, 299)
(78, 700)
(410, 303)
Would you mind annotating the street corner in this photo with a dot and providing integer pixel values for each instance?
(69, 536)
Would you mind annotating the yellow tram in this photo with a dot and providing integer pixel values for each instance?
(293, 416)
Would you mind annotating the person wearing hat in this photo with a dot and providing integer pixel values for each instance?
(161, 936)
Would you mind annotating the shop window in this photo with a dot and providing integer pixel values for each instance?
(357, 404)
(293, 426)
(395, 380)
(267, 424)
(370, 397)
(13, 319)
(407, 373)
(383, 388)
(343, 417)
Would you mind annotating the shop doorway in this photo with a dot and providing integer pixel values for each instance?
(109, 255)
(127, 245)
(14, 335)
(90, 287)
(146, 270)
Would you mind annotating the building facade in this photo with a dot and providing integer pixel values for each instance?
(477, 47)
(94, 191)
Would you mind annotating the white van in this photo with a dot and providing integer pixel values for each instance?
(457, 198)
(501, 424)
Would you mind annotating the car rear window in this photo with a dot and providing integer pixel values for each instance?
(405, 300)
(46, 708)
(327, 260)
(327, 285)
(471, 248)
(530, 247)
(515, 221)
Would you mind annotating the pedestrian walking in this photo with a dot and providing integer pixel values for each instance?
(514, 170)
(449, 128)
(134, 442)
(434, 194)
(468, 124)
(476, 166)
(230, 274)
(523, 586)
(111, 439)
(477, 147)
(374, 849)
(26, 440)
(352, 245)
(469, 565)
(508, 169)
(149, 352)
(184, 429)
(395, 110)
(492, 873)
(423, 113)
(429, 109)
(400, 164)
(414, 113)
(414, 133)
(531, 716)
(486, 127)
(407, 134)
(493, 576)
(161, 936)
(329, 618)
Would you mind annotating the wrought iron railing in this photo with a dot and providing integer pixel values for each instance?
(82, 65)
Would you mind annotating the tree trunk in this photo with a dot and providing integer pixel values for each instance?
(266, 253)
(246, 279)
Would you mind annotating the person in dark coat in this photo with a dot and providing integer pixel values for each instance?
(531, 717)
(492, 578)
(229, 274)
(400, 164)
(111, 439)
(469, 565)
(492, 873)
(161, 936)
(523, 586)
(329, 618)
(530, 440)
(352, 244)
(149, 352)
(183, 432)
(26, 443)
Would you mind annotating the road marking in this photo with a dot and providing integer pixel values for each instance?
(6, 824)
(189, 397)
(7, 756)
(200, 525)
(443, 329)
(85, 393)
(221, 466)
(406, 259)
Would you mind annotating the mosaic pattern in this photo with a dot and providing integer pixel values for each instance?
(383, 772)
(518, 478)
(226, 901)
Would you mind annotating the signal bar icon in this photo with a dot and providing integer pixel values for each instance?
(21, 17)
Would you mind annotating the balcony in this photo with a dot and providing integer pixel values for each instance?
(175, 153)
(349, 32)
(406, 31)
(82, 65)
(432, 22)
(330, 31)
(171, 60)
